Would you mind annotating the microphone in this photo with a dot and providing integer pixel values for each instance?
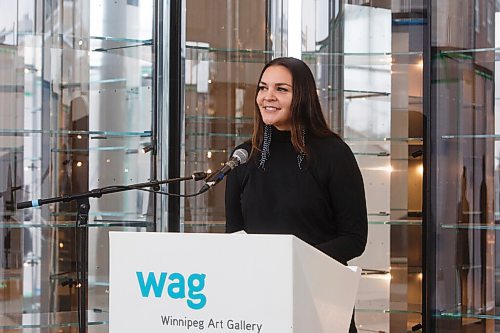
(240, 156)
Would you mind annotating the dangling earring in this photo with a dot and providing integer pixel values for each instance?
(301, 156)
(265, 147)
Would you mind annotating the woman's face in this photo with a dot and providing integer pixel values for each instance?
(274, 97)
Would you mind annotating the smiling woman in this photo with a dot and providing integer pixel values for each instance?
(274, 97)
(301, 178)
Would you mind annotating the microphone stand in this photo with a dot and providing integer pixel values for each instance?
(82, 216)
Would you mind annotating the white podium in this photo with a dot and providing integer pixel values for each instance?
(227, 283)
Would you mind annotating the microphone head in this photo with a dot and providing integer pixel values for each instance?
(241, 155)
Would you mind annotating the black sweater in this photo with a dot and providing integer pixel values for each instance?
(323, 204)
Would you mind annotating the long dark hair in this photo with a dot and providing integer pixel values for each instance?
(305, 108)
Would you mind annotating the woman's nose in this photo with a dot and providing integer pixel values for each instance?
(269, 96)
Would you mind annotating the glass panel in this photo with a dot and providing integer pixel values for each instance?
(226, 47)
(76, 95)
(375, 79)
(464, 181)
(367, 59)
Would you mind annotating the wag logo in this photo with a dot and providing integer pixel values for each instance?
(177, 287)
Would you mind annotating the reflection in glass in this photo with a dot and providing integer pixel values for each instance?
(76, 81)
(462, 269)
(367, 59)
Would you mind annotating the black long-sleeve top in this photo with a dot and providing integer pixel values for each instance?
(322, 203)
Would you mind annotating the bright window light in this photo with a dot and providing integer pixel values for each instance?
(294, 29)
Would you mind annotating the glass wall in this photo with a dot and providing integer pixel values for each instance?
(81, 95)
(367, 58)
(226, 46)
(463, 265)
(76, 95)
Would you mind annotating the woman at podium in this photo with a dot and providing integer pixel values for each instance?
(301, 178)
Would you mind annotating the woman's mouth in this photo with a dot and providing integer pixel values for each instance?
(271, 108)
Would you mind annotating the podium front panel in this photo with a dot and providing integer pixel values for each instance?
(170, 282)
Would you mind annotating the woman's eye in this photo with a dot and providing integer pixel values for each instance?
(262, 88)
(282, 89)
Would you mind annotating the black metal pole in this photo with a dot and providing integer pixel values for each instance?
(98, 192)
(429, 159)
(82, 218)
(157, 99)
(175, 110)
